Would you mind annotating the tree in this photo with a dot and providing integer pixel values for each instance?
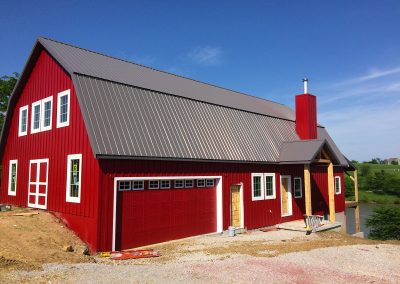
(376, 161)
(348, 186)
(384, 223)
(7, 84)
(365, 170)
(394, 162)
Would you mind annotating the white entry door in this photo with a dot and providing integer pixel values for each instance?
(37, 186)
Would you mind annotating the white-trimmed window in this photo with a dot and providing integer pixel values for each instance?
(270, 188)
(154, 184)
(137, 184)
(124, 185)
(63, 108)
(165, 184)
(298, 187)
(210, 183)
(201, 183)
(257, 191)
(179, 183)
(46, 115)
(23, 121)
(35, 122)
(12, 177)
(338, 185)
(188, 183)
(74, 174)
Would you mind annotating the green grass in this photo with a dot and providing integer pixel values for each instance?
(370, 197)
(393, 169)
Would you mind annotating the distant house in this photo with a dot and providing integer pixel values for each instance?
(128, 156)
(391, 160)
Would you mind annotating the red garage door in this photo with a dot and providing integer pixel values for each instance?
(148, 214)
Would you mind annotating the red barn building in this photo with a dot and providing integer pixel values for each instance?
(127, 155)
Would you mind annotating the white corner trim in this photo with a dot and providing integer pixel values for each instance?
(12, 162)
(218, 197)
(68, 188)
(61, 94)
(21, 109)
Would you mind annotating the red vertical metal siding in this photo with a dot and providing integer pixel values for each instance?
(306, 116)
(340, 198)
(48, 79)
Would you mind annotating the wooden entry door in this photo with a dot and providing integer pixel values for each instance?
(37, 186)
(236, 213)
(286, 196)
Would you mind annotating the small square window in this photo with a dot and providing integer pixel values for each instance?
(137, 184)
(188, 183)
(154, 184)
(124, 185)
(201, 183)
(210, 183)
(179, 183)
(165, 184)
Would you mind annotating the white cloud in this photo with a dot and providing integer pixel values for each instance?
(373, 74)
(206, 55)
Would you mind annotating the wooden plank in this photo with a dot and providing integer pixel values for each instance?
(307, 189)
(351, 204)
(331, 194)
(322, 161)
(357, 210)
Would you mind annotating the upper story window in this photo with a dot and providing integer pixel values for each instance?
(41, 115)
(210, 183)
(35, 124)
(63, 108)
(12, 178)
(263, 186)
(74, 174)
(23, 121)
(338, 187)
(298, 187)
(179, 183)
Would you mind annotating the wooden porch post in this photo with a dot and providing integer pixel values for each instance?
(357, 209)
(307, 189)
(331, 194)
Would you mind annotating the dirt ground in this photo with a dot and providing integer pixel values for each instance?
(32, 251)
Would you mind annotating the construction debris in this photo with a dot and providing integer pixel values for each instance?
(68, 248)
(130, 254)
(26, 214)
(5, 208)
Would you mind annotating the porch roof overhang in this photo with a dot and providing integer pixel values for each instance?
(305, 152)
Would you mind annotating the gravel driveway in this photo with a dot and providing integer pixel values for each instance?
(256, 257)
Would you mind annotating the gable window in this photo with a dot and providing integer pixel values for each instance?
(74, 173)
(23, 121)
(298, 187)
(210, 183)
(338, 188)
(46, 113)
(201, 183)
(188, 183)
(124, 185)
(179, 183)
(63, 108)
(154, 184)
(35, 125)
(165, 184)
(270, 190)
(137, 184)
(257, 187)
(12, 178)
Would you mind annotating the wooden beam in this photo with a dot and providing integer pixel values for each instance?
(331, 194)
(322, 161)
(307, 189)
(357, 210)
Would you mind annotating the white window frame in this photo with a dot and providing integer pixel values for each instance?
(255, 198)
(201, 180)
(139, 188)
(294, 187)
(209, 185)
(12, 162)
(33, 130)
(154, 187)
(273, 196)
(61, 94)
(181, 180)
(186, 186)
(340, 185)
(21, 109)
(165, 187)
(42, 116)
(124, 189)
(69, 198)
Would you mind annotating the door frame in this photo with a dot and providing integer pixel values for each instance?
(290, 195)
(241, 204)
(218, 186)
(38, 162)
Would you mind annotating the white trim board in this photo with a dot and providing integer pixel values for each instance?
(218, 193)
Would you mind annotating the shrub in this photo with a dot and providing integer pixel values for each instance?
(384, 223)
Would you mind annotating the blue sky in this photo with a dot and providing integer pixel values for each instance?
(350, 50)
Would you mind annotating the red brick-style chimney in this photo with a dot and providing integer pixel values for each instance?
(306, 114)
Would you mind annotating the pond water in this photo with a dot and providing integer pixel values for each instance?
(366, 209)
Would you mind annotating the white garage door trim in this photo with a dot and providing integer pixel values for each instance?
(218, 192)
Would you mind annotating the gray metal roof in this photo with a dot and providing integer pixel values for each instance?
(78, 60)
